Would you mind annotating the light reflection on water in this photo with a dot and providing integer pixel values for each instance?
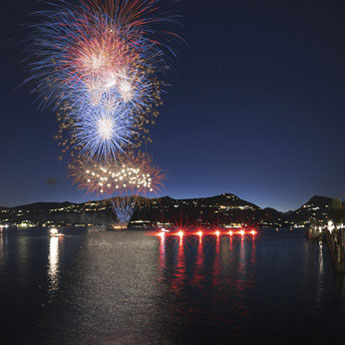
(1, 245)
(53, 263)
(320, 280)
(2, 251)
(131, 288)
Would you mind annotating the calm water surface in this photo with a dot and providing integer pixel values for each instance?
(131, 288)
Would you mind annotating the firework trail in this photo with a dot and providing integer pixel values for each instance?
(124, 207)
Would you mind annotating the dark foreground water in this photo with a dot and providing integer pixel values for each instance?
(131, 288)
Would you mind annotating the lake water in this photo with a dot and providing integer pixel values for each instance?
(132, 288)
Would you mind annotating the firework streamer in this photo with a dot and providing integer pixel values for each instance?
(124, 207)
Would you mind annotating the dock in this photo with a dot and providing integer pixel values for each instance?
(336, 244)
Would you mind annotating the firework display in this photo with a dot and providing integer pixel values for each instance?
(97, 64)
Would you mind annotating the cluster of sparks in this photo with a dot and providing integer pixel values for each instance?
(129, 173)
(97, 64)
(122, 178)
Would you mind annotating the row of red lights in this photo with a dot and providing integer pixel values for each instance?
(216, 233)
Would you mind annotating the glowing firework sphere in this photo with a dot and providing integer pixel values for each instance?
(100, 61)
(101, 132)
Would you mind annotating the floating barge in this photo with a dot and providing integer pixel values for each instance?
(117, 227)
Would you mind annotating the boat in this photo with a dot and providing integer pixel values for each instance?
(117, 227)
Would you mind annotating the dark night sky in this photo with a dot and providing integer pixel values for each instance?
(256, 108)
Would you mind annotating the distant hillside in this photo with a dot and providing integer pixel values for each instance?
(224, 199)
(220, 210)
(217, 210)
(317, 207)
(43, 205)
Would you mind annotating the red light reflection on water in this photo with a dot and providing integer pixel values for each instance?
(242, 253)
(162, 259)
(214, 264)
(253, 258)
(231, 245)
(180, 268)
(198, 276)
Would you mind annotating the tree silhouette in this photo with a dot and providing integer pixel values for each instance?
(336, 212)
